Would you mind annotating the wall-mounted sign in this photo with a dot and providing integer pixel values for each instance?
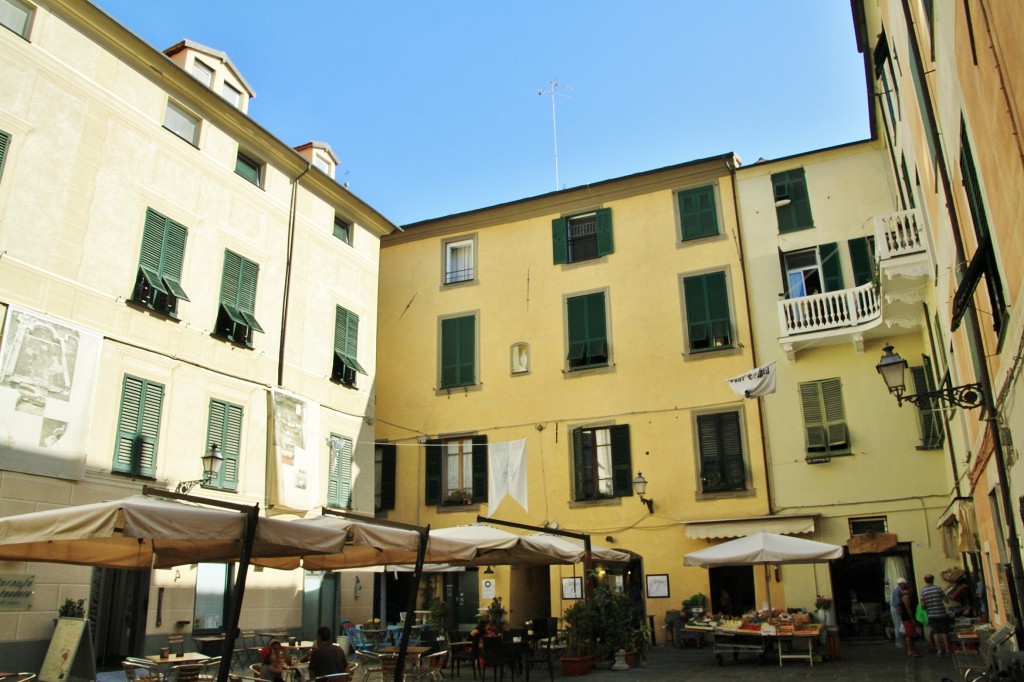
(16, 591)
(487, 588)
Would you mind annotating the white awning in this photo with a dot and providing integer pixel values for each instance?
(736, 528)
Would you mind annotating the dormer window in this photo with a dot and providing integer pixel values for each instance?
(232, 94)
(202, 73)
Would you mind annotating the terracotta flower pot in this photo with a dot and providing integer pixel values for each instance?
(576, 666)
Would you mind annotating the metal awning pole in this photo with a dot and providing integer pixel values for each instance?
(252, 519)
(588, 556)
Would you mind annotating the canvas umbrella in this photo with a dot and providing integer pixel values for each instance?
(567, 544)
(162, 529)
(498, 547)
(764, 549)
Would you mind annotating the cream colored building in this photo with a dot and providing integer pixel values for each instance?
(595, 327)
(838, 268)
(173, 276)
(947, 79)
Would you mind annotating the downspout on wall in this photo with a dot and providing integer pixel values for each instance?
(292, 209)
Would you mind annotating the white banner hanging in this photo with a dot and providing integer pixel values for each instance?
(755, 383)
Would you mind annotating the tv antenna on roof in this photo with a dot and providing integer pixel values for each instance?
(554, 126)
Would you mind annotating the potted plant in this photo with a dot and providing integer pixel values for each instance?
(71, 608)
(496, 612)
(598, 627)
(458, 497)
(439, 617)
(696, 602)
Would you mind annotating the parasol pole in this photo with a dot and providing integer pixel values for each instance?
(768, 586)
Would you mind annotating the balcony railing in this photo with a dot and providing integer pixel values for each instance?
(899, 234)
(829, 311)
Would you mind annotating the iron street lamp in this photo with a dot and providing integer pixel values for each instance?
(893, 368)
(211, 467)
(640, 487)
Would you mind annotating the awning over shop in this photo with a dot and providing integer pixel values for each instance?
(959, 520)
(737, 528)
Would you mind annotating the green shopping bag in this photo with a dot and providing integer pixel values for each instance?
(922, 615)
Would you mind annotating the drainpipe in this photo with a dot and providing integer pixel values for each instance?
(766, 458)
(288, 272)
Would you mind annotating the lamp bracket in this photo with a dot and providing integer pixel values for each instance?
(967, 396)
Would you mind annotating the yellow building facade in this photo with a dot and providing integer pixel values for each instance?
(594, 328)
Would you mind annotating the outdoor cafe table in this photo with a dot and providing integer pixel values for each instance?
(174, 659)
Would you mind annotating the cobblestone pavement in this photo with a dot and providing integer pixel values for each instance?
(860, 660)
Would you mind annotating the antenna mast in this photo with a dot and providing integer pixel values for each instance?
(554, 126)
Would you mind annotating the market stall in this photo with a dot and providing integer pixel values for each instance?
(789, 633)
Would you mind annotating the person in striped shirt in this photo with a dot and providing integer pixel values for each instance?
(933, 599)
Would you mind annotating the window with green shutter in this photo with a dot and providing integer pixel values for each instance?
(225, 429)
(458, 351)
(862, 258)
(339, 472)
(385, 463)
(236, 317)
(929, 412)
(455, 471)
(708, 321)
(5, 142)
(158, 283)
(698, 214)
(792, 203)
(138, 427)
(722, 465)
(587, 331)
(582, 237)
(346, 343)
(601, 462)
(826, 434)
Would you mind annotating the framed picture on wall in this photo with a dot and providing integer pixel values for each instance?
(657, 585)
(572, 588)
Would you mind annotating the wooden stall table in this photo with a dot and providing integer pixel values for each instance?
(807, 634)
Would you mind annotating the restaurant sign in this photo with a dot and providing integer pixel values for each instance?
(16, 590)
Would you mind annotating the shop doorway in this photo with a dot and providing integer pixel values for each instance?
(859, 590)
(732, 589)
(320, 602)
(118, 605)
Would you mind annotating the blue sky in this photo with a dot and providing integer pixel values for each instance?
(433, 106)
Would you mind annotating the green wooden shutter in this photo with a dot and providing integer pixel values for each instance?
(928, 412)
(785, 273)
(718, 310)
(579, 474)
(831, 267)
(432, 473)
(238, 290)
(721, 452)
(697, 318)
(605, 243)
(225, 429)
(577, 322)
(171, 264)
(815, 438)
(247, 293)
(387, 475)
(622, 461)
(346, 339)
(138, 427)
(860, 258)
(560, 240)
(5, 141)
(458, 350)
(697, 212)
(597, 329)
(835, 415)
(479, 468)
(796, 215)
(152, 249)
(345, 474)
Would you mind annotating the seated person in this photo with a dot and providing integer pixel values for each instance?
(326, 657)
(273, 658)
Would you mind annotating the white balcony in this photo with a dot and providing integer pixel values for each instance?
(903, 267)
(841, 309)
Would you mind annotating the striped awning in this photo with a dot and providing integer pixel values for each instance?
(736, 528)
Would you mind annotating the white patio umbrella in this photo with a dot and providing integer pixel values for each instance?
(569, 545)
(764, 549)
(497, 547)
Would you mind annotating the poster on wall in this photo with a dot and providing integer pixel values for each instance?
(47, 379)
(294, 454)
